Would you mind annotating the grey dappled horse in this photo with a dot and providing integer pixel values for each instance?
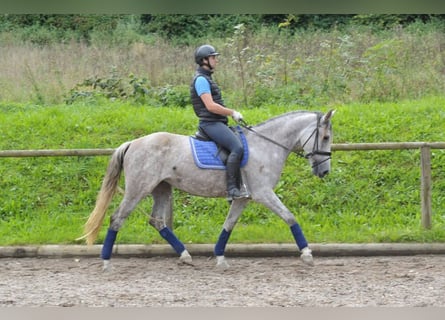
(157, 163)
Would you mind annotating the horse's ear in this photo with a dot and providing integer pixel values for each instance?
(327, 117)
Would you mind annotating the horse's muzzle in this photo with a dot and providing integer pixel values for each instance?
(323, 173)
(321, 168)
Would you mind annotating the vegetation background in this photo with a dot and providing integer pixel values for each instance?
(95, 81)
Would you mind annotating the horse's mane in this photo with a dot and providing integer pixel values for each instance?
(301, 112)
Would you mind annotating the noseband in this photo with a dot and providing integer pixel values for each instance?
(315, 150)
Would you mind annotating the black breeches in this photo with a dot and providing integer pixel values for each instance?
(222, 135)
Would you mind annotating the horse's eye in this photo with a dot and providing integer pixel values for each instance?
(326, 138)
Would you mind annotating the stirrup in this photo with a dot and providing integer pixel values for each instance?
(235, 193)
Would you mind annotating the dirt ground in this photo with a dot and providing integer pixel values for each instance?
(159, 282)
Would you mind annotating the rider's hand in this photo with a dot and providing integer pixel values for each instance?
(237, 116)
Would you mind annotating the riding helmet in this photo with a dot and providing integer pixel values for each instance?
(204, 51)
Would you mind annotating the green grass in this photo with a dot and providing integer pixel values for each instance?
(370, 196)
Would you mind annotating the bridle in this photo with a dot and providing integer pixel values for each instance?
(315, 150)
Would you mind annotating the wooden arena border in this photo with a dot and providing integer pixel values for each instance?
(425, 162)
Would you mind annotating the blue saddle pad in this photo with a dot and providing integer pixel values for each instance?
(205, 153)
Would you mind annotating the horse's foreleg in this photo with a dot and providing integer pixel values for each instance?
(274, 203)
(306, 253)
(232, 218)
(161, 219)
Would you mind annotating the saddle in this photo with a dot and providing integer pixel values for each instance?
(208, 155)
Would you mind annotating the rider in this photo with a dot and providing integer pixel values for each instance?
(209, 107)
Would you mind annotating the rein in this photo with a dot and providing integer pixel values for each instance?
(314, 151)
(244, 124)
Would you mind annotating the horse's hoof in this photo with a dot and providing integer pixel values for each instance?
(308, 260)
(306, 257)
(107, 266)
(186, 258)
(221, 263)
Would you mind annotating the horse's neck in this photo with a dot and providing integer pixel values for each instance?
(287, 129)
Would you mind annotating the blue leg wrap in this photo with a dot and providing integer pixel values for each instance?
(299, 237)
(168, 235)
(220, 246)
(108, 244)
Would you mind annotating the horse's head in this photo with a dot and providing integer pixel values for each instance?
(316, 142)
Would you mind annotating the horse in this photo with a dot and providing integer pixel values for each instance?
(156, 163)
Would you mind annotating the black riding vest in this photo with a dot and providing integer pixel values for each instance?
(198, 106)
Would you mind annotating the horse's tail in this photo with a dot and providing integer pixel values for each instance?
(106, 193)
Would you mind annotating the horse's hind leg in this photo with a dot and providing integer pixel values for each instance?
(116, 221)
(161, 219)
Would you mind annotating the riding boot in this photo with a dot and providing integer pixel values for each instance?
(233, 173)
